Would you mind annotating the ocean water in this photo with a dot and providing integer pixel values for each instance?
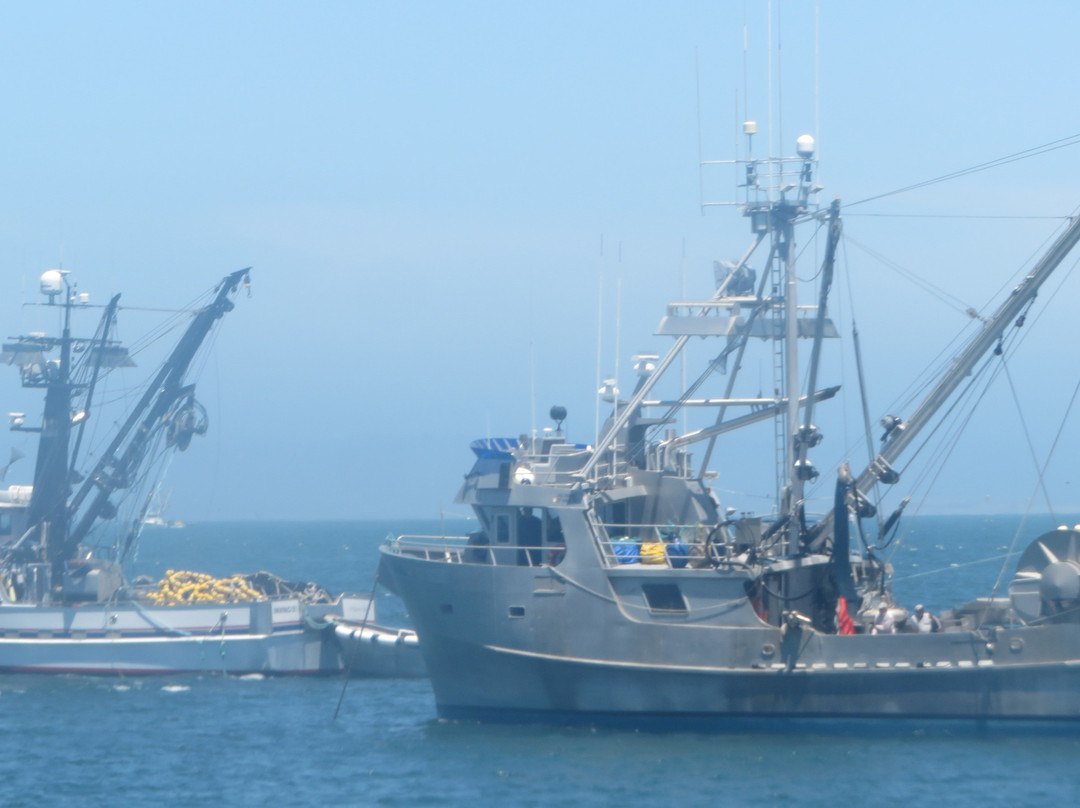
(195, 740)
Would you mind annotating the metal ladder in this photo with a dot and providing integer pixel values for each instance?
(780, 437)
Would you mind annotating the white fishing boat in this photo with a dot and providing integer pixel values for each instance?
(158, 506)
(66, 605)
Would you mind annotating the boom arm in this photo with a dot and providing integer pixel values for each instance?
(902, 436)
(116, 470)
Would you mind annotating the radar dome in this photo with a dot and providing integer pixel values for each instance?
(52, 282)
(805, 146)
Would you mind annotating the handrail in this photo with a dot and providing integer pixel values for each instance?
(459, 550)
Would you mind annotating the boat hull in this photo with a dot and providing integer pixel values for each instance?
(500, 647)
(272, 637)
(287, 653)
(598, 692)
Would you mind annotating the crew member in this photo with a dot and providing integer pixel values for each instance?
(925, 621)
(884, 623)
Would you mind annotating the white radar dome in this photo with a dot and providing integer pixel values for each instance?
(52, 282)
(805, 146)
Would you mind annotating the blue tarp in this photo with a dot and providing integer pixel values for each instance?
(494, 447)
(626, 550)
(677, 553)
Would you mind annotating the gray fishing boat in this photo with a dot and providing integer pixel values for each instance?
(608, 584)
(66, 604)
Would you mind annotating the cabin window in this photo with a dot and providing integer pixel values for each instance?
(622, 517)
(517, 611)
(618, 513)
(5, 524)
(664, 598)
(552, 529)
(502, 528)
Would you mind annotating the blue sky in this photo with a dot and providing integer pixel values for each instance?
(439, 199)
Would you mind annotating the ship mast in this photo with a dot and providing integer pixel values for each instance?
(52, 482)
(807, 436)
(778, 193)
(166, 403)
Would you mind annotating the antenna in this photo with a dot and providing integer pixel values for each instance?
(532, 387)
(779, 74)
(599, 336)
(697, 101)
(682, 294)
(817, 74)
(745, 71)
(618, 324)
(769, 51)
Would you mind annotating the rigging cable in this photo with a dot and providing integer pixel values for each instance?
(950, 443)
(1014, 335)
(945, 356)
(812, 240)
(1027, 437)
(1053, 145)
(954, 420)
(942, 295)
(957, 216)
(951, 567)
(864, 401)
(937, 367)
(356, 643)
(1031, 499)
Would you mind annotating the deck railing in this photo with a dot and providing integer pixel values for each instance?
(459, 550)
(669, 545)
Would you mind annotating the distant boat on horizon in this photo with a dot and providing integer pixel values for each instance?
(155, 513)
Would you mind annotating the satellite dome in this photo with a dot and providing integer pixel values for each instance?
(52, 282)
(805, 146)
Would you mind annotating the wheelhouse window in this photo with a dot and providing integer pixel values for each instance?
(623, 517)
(502, 528)
(553, 534)
(535, 534)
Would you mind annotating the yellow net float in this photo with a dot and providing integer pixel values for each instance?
(183, 586)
